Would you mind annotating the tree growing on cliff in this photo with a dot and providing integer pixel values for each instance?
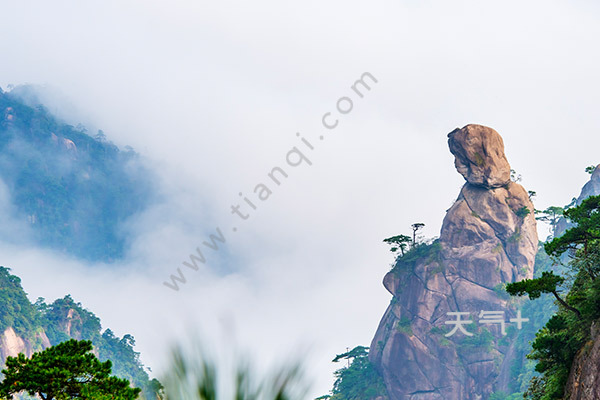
(416, 227)
(557, 344)
(531, 194)
(357, 381)
(515, 177)
(547, 283)
(399, 243)
(551, 216)
(66, 371)
(586, 218)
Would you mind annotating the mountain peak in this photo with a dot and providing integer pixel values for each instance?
(479, 156)
(488, 239)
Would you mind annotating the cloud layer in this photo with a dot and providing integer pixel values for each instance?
(213, 95)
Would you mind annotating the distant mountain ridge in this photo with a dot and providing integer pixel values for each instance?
(28, 328)
(74, 192)
(591, 188)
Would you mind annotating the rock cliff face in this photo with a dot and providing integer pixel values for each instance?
(488, 238)
(591, 188)
(584, 378)
(12, 344)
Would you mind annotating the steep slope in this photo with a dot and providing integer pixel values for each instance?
(584, 379)
(20, 328)
(488, 238)
(27, 328)
(72, 191)
(591, 188)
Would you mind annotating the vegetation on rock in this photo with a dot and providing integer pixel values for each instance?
(567, 331)
(65, 319)
(72, 190)
(359, 380)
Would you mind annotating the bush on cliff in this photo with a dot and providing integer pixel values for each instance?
(556, 345)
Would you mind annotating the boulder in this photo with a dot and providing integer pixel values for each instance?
(479, 156)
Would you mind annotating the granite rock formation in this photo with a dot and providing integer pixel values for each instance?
(584, 378)
(591, 188)
(488, 239)
(479, 156)
(12, 344)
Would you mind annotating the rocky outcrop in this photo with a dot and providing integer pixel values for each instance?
(591, 188)
(488, 238)
(584, 378)
(479, 156)
(12, 344)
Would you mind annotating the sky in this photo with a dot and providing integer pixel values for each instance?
(214, 95)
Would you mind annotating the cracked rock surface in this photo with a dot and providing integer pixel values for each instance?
(488, 239)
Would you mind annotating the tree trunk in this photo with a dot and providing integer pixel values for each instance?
(566, 305)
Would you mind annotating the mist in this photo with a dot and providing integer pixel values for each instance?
(213, 95)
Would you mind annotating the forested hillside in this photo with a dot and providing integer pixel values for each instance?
(28, 328)
(72, 191)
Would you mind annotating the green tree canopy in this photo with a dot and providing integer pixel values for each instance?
(547, 283)
(358, 351)
(567, 332)
(586, 218)
(399, 243)
(551, 215)
(359, 380)
(416, 227)
(66, 371)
